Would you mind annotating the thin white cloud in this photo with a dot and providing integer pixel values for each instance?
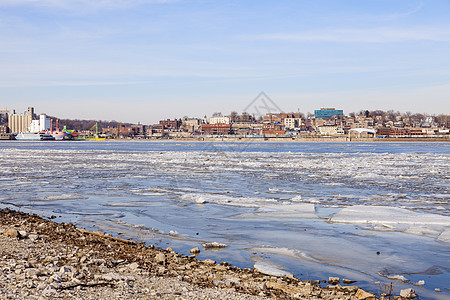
(389, 16)
(408, 13)
(368, 35)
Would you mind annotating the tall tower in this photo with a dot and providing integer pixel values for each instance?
(30, 117)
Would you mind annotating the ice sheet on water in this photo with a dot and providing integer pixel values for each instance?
(397, 277)
(63, 197)
(269, 268)
(201, 198)
(276, 191)
(291, 211)
(444, 236)
(294, 253)
(297, 198)
(126, 204)
(396, 219)
(149, 192)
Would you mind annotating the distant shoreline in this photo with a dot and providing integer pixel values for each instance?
(313, 139)
(267, 139)
(289, 139)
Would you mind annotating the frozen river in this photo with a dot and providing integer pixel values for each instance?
(372, 212)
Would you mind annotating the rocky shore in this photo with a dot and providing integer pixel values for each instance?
(41, 259)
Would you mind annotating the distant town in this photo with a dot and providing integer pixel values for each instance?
(325, 122)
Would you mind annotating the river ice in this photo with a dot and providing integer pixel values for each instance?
(365, 211)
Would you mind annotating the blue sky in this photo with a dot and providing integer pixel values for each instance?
(140, 61)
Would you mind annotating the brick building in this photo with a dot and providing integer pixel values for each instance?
(273, 129)
(169, 124)
(110, 131)
(272, 118)
(216, 129)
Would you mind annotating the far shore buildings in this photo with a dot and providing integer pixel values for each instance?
(325, 122)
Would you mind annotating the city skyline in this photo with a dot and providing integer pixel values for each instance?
(142, 61)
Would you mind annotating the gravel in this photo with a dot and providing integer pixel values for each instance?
(41, 259)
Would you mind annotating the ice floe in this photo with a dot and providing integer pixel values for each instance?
(201, 198)
(396, 219)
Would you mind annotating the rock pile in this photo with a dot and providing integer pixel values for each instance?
(43, 258)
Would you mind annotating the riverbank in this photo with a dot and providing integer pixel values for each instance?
(280, 139)
(306, 139)
(39, 257)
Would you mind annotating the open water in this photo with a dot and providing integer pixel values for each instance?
(373, 212)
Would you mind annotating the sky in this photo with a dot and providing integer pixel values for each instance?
(146, 60)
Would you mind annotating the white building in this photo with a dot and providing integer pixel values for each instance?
(219, 120)
(330, 130)
(43, 124)
(292, 123)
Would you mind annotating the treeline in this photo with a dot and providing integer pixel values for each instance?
(392, 115)
(80, 125)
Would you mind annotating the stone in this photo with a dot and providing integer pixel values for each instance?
(49, 290)
(23, 234)
(111, 276)
(32, 272)
(12, 233)
(218, 282)
(161, 270)
(350, 288)
(348, 281)
(41, 286)
(214, 245)
(408, 293)
(160, 258)
(133, 266)
(209, 261)
(289, 289)
(195, 250)
(363, 295)
(65, 269)
(56, 285)
(56, 278)
(333, 280)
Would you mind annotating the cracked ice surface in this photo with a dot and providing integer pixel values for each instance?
(366, 211)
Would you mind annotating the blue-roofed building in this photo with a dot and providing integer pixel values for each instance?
(328, 112)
